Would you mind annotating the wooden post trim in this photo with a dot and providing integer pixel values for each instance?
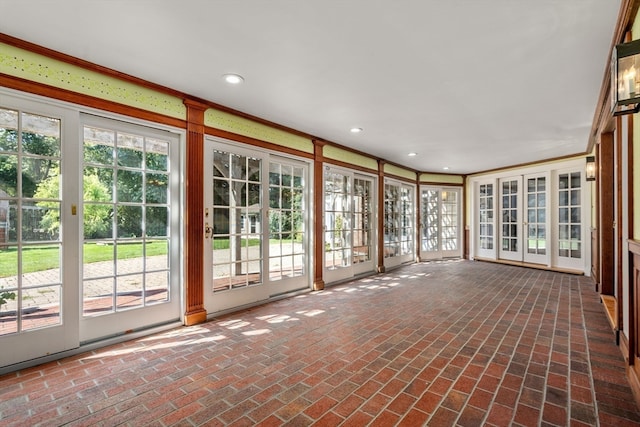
(381, 268)
(318, 217)
(194, 216)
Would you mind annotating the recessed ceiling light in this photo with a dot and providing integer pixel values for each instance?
(446, 168)
(412, 154)
(234, 79)
(356, 130)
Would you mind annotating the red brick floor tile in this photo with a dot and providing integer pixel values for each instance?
(401, 404)
(348, 406)
(320, 407)
(500, 415)
(471, 417)
(429, 402)
(511, 346)
(443, 417)
(480, 399)
(554, 414)
(414, 418)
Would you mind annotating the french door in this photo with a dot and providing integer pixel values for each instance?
(89, 228)
(537, 189)
(540, 218)
(256, 227)
(440, 217)
(131, 222)
(523, 230)
(485, 219)
(570, 219)
(38, 230)
(399, 220)
(349, 224)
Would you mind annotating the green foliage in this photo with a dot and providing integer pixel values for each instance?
(6, 296)
(97, 218)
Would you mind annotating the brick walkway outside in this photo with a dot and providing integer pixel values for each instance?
(452, 343)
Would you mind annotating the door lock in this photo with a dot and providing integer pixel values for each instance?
(207, 230)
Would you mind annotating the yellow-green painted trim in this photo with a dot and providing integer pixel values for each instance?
(346, 156)
(441, 178)
(520, 167)
(41, 69)
(398, 171)
(245, 127)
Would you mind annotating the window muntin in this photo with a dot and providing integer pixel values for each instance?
(398, 220)
(287, 233)
(238, 234)
(126, 220)
(569, 215)
(337, 220)
(362, 223)
(450, 207)
(510, 220)
(485, 219)
(536, 215)
(30, 232)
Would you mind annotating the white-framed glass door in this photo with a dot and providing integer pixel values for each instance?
(510, 230)
(288, 234)
(440, 217)
(485, 219)
(537, 191)
(255, 205)
(38, 230)
(349, 224)
(399, 220)
(131, 227)
(235, 179)
(570, 220)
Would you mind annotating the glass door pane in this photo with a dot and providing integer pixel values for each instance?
(450, 226)
(337, 220)
(38, 241)
(430, 235)
(31, 248)
(128, 226)
(287, 234)
(536, 189)
(485, 242)
(440, 215)
(237, 220)
(510, 219)
(570, 230)
(362, 223)
(399, 233)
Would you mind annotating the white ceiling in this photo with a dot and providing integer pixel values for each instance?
(468, 84)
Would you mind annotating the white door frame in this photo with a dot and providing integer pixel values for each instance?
(34, 343)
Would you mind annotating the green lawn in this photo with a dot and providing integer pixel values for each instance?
(47, 257)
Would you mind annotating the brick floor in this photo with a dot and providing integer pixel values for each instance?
(452, 343)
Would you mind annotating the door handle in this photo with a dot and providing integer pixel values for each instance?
(207, 230)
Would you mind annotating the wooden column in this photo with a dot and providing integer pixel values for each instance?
(381, 268)
(606, 210)
(318, 216)
(418, 205)
(194, 215)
